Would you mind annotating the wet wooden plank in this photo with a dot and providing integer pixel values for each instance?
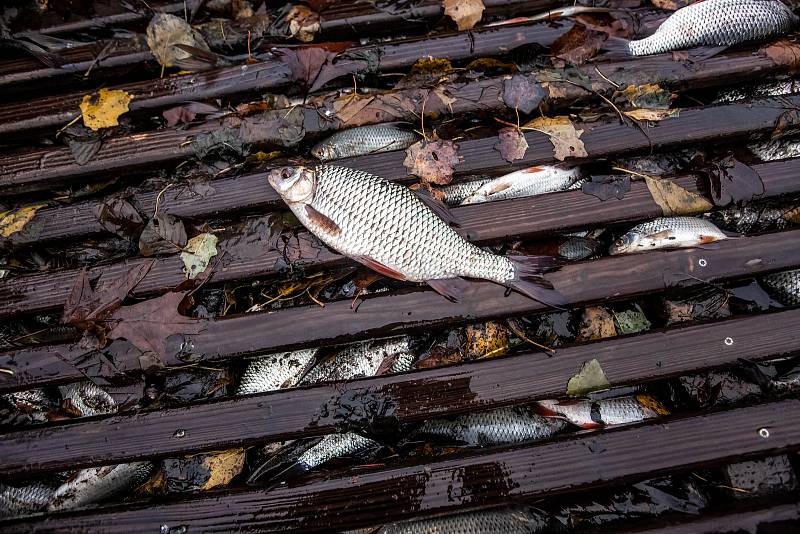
(414, 310)
(468, 387)
(480, 479)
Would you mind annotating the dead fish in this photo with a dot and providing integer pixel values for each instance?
(364, 359)
(525, 183)
(784, 286)
(748, 219)
(96, 484)
(667, 232)
(23, 500)
(509, 520)
(717, 23)
(276, 371)
(587, 413)
(364, 140)
(512, 424)
(776, 149)
(455, 194)
(401, 235)
(578, 248)
(88, 399)
(36, 403)
(775, 88)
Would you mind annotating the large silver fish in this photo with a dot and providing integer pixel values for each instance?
(587, 413)
(388, 228)
(526, 183)
(25, 499)
(511, 424)
(96, 484)
(88, 399)
(667, 232)
(785, 286)
(276, 371)
(363, 359)
(510, 520)
(717, 23)
(364, 140)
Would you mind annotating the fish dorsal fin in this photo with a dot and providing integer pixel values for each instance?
(380, 268)
(323, 223)
(437, 206)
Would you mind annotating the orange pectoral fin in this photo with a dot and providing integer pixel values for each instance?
(380, 268)
(323, 223)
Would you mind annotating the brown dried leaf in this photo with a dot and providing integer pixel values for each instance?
(512, 144)
(438, 194)
(792, 215)
(165, 32)
(465, 13)
(304, 23)
(578, 45)
(432, 161)
(223, 467)
(597, 323)
(314, 66)
(672, 5)
(426, 71)
(565, 138)
(651, 114)
(102, 110)
(650, 96)
(675, 200)
(783, 52)
(14, 221)
(119, 217)
(522, 93)
(439, 356)
(164, 234)
(348, 107)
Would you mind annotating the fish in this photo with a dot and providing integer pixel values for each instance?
(776, 149)
(88, 399)
(454, 194)
(363, 359)
(774, 88)
(25, 499)
(507, 520)
(276, 371)
(364, 140)
(784, 286)
(717, 23)
(35, 403)
(400, 234)
(511, 424)
(578, 248)
(748, 219)
(666, 233)
(525, 183)
(587, 413)
(96, 484)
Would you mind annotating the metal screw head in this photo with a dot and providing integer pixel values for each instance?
(179, 433)
(729, 341)
(763, 432)
(702, 262)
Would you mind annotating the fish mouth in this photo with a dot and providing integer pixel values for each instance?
(294, 184)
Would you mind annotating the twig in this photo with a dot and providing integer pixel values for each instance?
(634, 173)
(158, 197)
(520, 334)
(616, 85)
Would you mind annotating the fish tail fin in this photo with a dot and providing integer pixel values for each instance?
(617, 48)
(529, 281)
(296, 469)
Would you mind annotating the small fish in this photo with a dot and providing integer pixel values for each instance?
(667, 232)
(276, 371)
(364, 359)
(514, 424)
(748, 219)
(776, 149)
(526, 183)
(96, 484)
(587, 413)
(455, 194)
(717, 23)
(399, 234)
(578, 248)
(88, 399)
(364, 140)
(785, 286)
(23, 500)
(36, 403)
(775, 88)
(509, 520)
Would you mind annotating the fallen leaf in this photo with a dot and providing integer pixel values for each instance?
(164, 234)
(596, 323)
(680, 56)
(792, 215)
(304, 23)
(675, 200)
(102, 110)
(153, 486)
(263, 157)
(784, 53)
(438, 356)
(465, 13)
(672, 5)
(731, 181)
(651, 402)
(165, 32)
(314, 66)
(119, 217)
(651, 114)
(590, 377)
(522, 93)
(437, 193)
(565, 138)
(486, 340)
(424, 72)
(432, 161)
(512, 144)
(787, 123)
(577, 45)
(197, 253)
(650, 96)
(631, 321)
(83, 143)
(14, 221)
(223, 467)
(605, 187)
(490, 65)
(187, 113)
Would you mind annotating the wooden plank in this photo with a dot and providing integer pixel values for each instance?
(482, 479)
(291, 414)
(404, 311)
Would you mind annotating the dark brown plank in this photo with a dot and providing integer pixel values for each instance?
(291, 414)
(478, 480)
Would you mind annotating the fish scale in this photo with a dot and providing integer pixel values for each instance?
(362, 359)
(526, 183)
(667, 232)
(22, 500)
(717, 23)
(510, 520)
(364, 140)
(785, 286)
(275, 371)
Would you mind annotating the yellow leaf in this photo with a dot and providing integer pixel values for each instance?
(675, 200)
(14, 221)
(103, 109)
(486, 340)
(197, 253)
(590, 377)
(649, 95)
(650, 402)
(644, 114)
(792, 215)
(565, 138)
(466, 13)
(223, 467)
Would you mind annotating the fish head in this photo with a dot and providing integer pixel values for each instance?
(296, 185)
(324, 152)
(626, 244)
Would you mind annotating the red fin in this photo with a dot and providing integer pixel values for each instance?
(380, 268)
(538, 409)
(588, 426)
(437, 206)
(325, 224)
(450, 288)
(705, 239)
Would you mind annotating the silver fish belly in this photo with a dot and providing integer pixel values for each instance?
(717, 23)
(364, 140)
(667, 233)
(455, 194)
(276, 371)
(99, 483)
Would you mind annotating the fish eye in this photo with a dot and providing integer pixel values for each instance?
(285, 174)
(619, 242)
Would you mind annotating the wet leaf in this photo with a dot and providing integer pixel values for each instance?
(165, 32)
(522, 93)
(486, 340)
(783, 52)
(631, 321)
(223, 467)
(14, 221)
(304, 23)
(590, 377)
(154, 486)
(187, 113)
(102, 110)
(164, 234)
(650, 96)
(438, 194)
(438, 356)
(675, 200)
(197, 253)
(119, 217)
(731, 181)
(672, 5)
(787, 124)
(653, 115)
(512, 144)
(596, 323)
(432, 161)
(465, 13)
(565, 138)
(83, 143)
(490, 65)
(263, 157)
(605, 187)
(578, 45)
(314, 66)
(425, 72)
